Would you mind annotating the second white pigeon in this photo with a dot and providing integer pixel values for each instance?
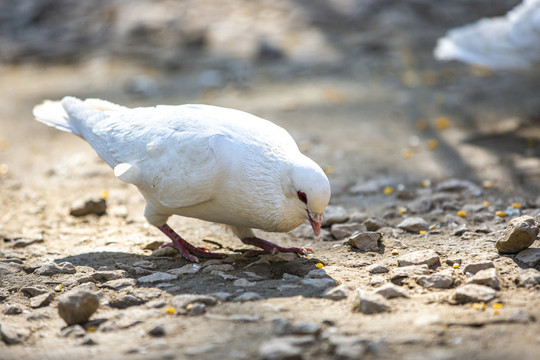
(206, 162)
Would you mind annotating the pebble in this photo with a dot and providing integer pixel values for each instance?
(76, 307)
(125, 302)
(390, 291)
(337, 293)
(41, 300)
(342, 231)
(119, 284)
(32, 291)
(473, 293)
(109, 275)
(435, 281)
(348, 347)
(473, 268)
(487, 277)
(91, 206)
(334, 215)
(317, 273)
(165, 251)
(365, 241)
(244, 283)
(186, 269)
(196, 309)
(321, 283)
(413, 224)
(377, 281)
(248, 296)
(222, 295)
(377, 269)
(218, 267)
(157, 330)
(530, 256)
(279, 349)
(52, 268)
(428, 257)
(369, 303)
(412, 271)
(182, 301)
(466, 187)
(13, 309)
(156, 277)
(519, 234)
(12, 334)
(421, 205)
(9, 268)
(374, 223)
(282, 326)
(73, 331)
(529, 277)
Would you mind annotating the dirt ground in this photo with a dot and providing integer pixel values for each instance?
(389, 125)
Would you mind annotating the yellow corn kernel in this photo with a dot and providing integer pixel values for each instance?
(58, 288)
(462, 213)
(500, 213)
(497, 306)
(91, 329)
(189, 307)
(442, 122)
(487, 184)
(485, 203)
(4, 169)
(479, 306)
(395, 252)
(41, 215)
(319, 265)
(425, 183)
(402, 210)
(329, 169)
(422, 232)
(432, 144)
(496, 312)
(170, 310)
(104, 194)
(407, 153)
(516, 205)
(421, 124)
(388, 190)
(455, 265)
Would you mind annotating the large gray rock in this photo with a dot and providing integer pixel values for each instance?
(366, 241)
(369, 303)
(518, 235)
(413, 224)
(487, 277)
(428, 257)
(435, 281)
(473, 293)
(76, 307)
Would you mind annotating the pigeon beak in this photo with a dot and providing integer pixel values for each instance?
(315, 220)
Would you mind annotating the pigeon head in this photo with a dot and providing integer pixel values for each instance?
(310, 190)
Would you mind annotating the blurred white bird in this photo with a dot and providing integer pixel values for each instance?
(509, 42)
(206, 162)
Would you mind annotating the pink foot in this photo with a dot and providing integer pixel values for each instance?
(271, 248)
(188, 251)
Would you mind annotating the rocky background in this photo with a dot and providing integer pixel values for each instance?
(429, 247)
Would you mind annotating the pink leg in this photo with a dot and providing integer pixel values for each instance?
(271, 248)
(186, 249)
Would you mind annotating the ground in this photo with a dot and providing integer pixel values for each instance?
(389, 125)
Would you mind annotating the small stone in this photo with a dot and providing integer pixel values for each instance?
(282, 326)
(13, 309)
(196, 309)
(244, 283)
(88, 341)
(348, 347)
(12, 334)
(76, 307)
(156, 277)
(453, 261)
(321, 283)
(377, 269)
(279, 349)
(487, 277)
(83, 208)
(157, 330)
(32, 291)
(428, 257)
(466, 187)
(530, 257)
(119, 284)
(73, 331)
(342, 231)
(109, 275)
(421, 205)
(41, 300)
(52, 268)
(473, 293)
(390, 291)
(413, 224)
(435, 281)
(125, 302)
(337, 293)
(334, 215)
(182, 301)
(165, 251)
(146, 264)
(369, 303)
(222, 295)
(365, 241)
(473, 268)
(154, 245)
(519, 234)
(317, 273)
(186, 269)
(412, 271)
(374, 223)
(377, 281)
(248, 296)
(529, 277)
(218, 267)
(8, 268)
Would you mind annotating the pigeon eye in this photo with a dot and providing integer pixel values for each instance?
(302, 196)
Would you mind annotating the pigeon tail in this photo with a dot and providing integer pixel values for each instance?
(52, 113)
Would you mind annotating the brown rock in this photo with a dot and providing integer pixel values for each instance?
(77, 307)
(519, 234)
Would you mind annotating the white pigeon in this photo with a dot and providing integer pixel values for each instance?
(509, 42)
(206, 162)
